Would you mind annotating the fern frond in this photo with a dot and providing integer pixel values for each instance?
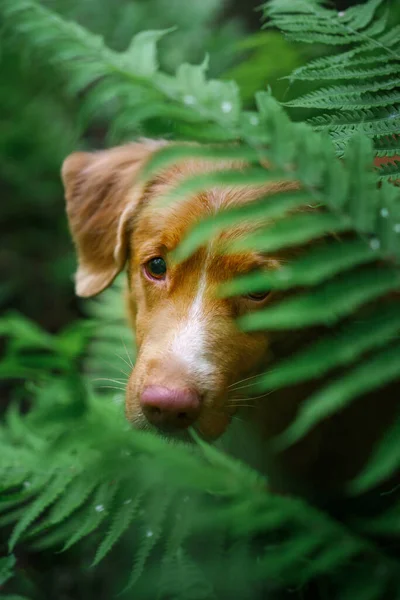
(383, 119)
(352, 340)
(381, 368)
(95, 513)
(53, 490)
(122, 519)
(326, 99)
(390, 171)
(328, 302)
(353, 72)
(374, 55)
(383, 463)
(378, 50)
(151, 533)
(273, 207)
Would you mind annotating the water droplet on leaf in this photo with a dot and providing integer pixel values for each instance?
(226, 107)
(189, 99)
(375, 244)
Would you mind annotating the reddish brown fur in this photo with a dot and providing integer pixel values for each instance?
(112, 217)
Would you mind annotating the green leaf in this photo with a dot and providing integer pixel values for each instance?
(327, 303)
(95, 514)
(123, 517)
(380, 369)
(74, 496)
(383, 463)
(269, 207)
(142, 53)
(155, 520)
(316, 266)
(174, 153)
(341, 349)
(54, 489)
(7, 565)
(297, 229)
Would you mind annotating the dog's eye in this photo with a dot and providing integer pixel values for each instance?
(156, 268)
(258, 296)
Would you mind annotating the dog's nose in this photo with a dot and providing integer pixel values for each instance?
(170, 409)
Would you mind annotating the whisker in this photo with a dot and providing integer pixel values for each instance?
(121, 371)
(112, 387)
(237, 418)
(114, 367)
(243, 380)
(119, 381)
(247, 385)
(123, 359)
(254, 397)
(127, 353)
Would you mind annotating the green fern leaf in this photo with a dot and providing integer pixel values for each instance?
(390, 171)
(341, 349)
(56, 536)
(374, 55)
(72, 499)
(268, 208)
(312, 268)
(373, 68)
(381, 368)
(327, 303)
(55, 488)
(386, 524)
(285, 15)
(354, 74)
(7, 565)
(122, 519)
(326, 98)
(385, 45)
(156, 513)
(375, 121)
(299, 229)
(95, 513)
(302, 32)
(383, 463)
(142, 53)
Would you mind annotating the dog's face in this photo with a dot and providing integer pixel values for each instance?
(190, 350)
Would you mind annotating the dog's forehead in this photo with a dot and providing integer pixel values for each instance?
(168, 219)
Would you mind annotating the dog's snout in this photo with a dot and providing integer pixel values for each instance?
(170, 409)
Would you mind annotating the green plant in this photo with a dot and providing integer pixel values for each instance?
(40, 124)
(367, 97)
(84, 467)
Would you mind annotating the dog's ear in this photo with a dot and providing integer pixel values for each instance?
(102, 194)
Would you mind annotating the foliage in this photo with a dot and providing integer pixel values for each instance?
(366, 97)
(69, 469)
(41, 124)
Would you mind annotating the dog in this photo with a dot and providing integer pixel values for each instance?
(192, 356)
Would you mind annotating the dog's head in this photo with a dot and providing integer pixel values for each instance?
(190, 350)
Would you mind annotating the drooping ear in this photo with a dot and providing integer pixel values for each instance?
(102, 195)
